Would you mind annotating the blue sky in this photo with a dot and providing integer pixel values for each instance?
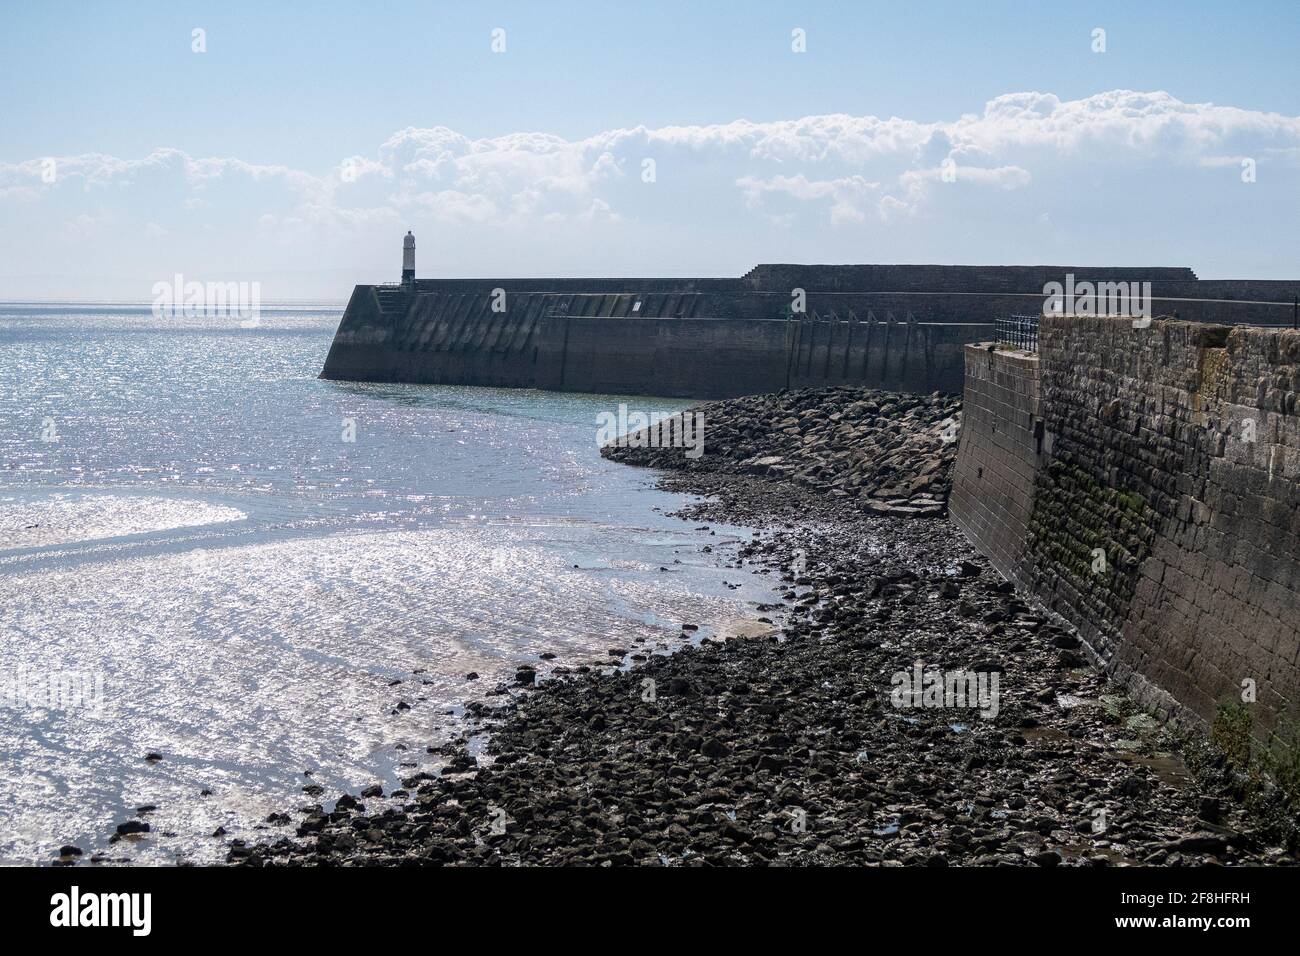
(299, 147)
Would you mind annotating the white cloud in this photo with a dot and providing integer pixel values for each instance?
(453, 205)
(1003, 177)
(93, 171)
(1131, 122)
(851, 198)
(856, 167)
(355, 168)
(839, 170)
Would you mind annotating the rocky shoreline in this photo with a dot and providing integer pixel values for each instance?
(808, 745)
(888, 452)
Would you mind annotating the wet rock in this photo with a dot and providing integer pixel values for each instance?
(713, 748)
(1070, 659)
(1210, 809)
(1133, 786)
(677, 686)
(1201, 842)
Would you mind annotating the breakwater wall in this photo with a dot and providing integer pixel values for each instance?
(894, 327)
(1145, 483)
(682, 343)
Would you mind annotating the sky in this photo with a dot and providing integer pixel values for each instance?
(294, 144)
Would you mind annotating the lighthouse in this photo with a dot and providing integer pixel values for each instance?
(408, 261)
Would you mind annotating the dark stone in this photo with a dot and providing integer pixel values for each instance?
(713, 748)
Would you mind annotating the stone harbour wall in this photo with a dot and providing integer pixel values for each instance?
(1000, 450)
(1164, 517)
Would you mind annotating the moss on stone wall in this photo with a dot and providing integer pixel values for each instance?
(1075, 515)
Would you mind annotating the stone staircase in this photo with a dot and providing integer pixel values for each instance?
(392, 300)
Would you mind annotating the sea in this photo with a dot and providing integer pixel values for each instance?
(224, 579)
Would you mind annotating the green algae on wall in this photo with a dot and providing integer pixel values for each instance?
(1091, 538)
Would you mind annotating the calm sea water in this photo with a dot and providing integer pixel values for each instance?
(196, 562)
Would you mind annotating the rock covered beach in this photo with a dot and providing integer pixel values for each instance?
(890, 453)
(797, 747)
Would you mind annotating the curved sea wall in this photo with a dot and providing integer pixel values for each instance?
(1145, 483)
(901, 328)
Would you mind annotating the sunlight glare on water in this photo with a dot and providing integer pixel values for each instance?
(184, 529)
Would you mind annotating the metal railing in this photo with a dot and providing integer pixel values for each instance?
(1018, 331)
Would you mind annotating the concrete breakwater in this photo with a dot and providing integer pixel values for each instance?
(1145, 483)
(901, 328)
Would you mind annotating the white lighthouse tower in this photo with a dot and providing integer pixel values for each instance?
(408, 261)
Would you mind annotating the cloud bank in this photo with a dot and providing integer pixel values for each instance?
(829, 173)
